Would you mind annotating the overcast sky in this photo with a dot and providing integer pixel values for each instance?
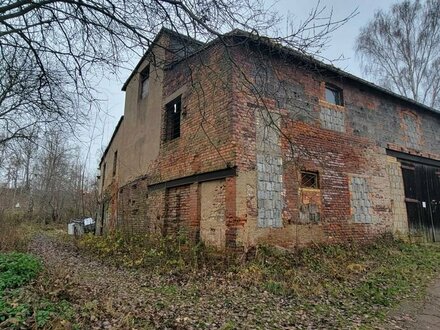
(342, 43)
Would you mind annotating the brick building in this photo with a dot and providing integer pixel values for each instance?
(241, 141)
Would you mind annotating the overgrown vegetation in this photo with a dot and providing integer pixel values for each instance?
(339, 286)
(28, 293)
(14, 232)
(153, 282)
(157, 253)
(29, 301)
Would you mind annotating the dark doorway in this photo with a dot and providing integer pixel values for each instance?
(422, 197)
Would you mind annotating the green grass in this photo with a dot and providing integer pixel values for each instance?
(20, 307)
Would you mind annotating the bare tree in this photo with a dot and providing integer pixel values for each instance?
(51, 49)
(31, 98)
(401, 50)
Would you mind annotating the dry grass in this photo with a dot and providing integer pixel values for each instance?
(14, 232)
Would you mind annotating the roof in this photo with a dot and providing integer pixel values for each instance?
(111, 140)
(155, 42)
(313, 62)
(331, 68)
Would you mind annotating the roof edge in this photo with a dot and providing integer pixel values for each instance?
(111, 139)
(317, 63)
(162, 31)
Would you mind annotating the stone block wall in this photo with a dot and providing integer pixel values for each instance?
(269, 170)
(360, 200)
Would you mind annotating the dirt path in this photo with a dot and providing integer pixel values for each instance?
(124, 299)
(108, 297)
(420, 315)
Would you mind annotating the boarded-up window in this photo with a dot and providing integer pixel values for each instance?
(332, 119)
(360, 200)
(410, 126)
(178, 217)
(269, 171)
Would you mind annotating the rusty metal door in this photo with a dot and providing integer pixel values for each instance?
(422, 197)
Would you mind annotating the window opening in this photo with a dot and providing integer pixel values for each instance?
(309, 180)
(145, 78)
(103, 174)
(333, 95)
(115, 160)
(173, 110)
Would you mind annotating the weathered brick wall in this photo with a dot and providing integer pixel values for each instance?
(269, 118)
(133, 207)
(177, 211)
(205, 144)
(360, 193)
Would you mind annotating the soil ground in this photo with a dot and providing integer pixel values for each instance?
(121, 298)
(420, 315)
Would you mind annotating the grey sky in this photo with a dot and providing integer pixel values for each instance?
(342, 43)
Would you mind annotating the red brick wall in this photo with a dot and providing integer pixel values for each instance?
(205, 142)
(306, 145)
(218, 130)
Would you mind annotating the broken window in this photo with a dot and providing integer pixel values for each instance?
(115, 160)
(309, 180)
(333, 95)
(145, 78)
(172, 119)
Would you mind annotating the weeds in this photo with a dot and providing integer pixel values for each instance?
(162, 254)
(16, 269)
(14, 233)
(335, 287)
(23, 305)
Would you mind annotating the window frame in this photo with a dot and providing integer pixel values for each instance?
(144, 76)
(316, 184)
(337, 93)
(173, 121)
